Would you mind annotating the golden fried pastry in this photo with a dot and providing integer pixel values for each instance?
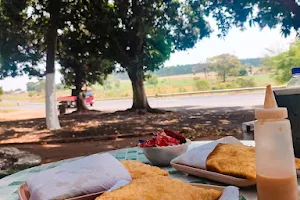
(160, 188)
(297, 161)
(138, 169)
(234, 160)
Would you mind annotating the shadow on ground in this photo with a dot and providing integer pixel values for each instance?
(202, 123)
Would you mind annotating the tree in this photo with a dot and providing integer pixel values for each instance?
(141, 35)
(1, 93)
(18, 54)
(243, 72)
(31, 86)
(224, 64)
(282, 64)
(81, 66)
(43, 19)
(285, 13)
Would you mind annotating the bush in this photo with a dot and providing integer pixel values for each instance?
(226, 85)
(181, 89)
(202, 85)
(152, 80)
(245, 83)
(243, 72)
(31, 93)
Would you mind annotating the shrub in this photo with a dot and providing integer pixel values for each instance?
(226, 85)
(181, 89)
(243, 72)
(244, 83)
(202, 85)
(31, 93)
(152, 80)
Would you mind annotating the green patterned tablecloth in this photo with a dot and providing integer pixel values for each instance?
(9, 185)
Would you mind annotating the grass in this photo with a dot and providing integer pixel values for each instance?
(7, 105)
(8, 110)
(166, 85)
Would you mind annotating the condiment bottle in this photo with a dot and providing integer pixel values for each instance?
(275, 163)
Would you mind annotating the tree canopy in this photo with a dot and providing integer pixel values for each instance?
(282, 63)
(18, 52)
(285, 13)
(141, 35)
(80, 64)
(225, 65)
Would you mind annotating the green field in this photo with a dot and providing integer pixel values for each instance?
(165, 85)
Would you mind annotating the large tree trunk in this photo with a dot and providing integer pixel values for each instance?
(140, 101)
(80, 100)
(51, 39)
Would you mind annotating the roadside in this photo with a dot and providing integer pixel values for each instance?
(60, 151)
(84, 134)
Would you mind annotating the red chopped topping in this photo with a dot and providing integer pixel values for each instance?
(166, 138)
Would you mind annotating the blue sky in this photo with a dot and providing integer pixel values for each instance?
(250, 43)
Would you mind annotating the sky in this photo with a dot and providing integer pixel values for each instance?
(250, 43)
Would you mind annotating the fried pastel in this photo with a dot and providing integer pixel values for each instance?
(233, 159)
(160, 188)
(138, 169)
(297, 161)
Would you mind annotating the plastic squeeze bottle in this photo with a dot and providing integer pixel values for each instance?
(275, 162)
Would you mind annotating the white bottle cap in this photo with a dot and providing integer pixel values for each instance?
(270, 110)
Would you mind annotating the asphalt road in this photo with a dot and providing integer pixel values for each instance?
(188, 102)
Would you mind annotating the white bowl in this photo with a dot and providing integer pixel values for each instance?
(162, 156)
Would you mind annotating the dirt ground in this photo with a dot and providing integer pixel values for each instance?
(97, 132)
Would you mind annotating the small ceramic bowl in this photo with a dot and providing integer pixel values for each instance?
(162, 156)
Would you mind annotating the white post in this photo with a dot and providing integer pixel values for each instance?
(51, 110)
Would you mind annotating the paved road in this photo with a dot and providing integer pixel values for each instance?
(190, 102)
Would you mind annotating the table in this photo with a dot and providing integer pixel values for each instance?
(9, 185)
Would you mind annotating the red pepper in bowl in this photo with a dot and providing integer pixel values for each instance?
(175, 135)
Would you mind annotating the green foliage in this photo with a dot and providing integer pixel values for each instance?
(182, 89)
(174, 70)
(141, 35)
(152, 80)
(110, 82)
(1, 91)
(264, 13)
(80, 63)
(243, 72)
(282, 64)
(31, 93)
(31, 86)
(202, 85)
(256, 62)
(59, 86)
(226, 85)
(38, 87)
(18, 54)
(245, 83)
(225, 65)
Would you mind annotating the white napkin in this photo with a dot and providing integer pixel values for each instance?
(230, 193)
(196, 157)
(91, 174)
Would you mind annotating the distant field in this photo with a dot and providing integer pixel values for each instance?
(165, 85)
